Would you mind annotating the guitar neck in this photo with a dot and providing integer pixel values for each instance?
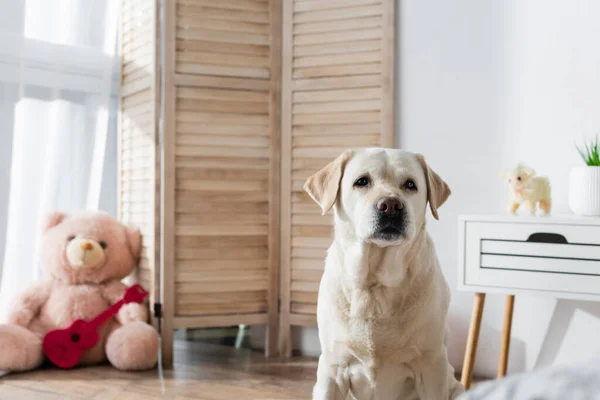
(107, 314)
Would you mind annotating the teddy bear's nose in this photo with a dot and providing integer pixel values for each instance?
(87, 246)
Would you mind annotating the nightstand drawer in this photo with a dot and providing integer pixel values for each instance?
(528, 256)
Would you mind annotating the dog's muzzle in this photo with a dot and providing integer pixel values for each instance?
(391, 219)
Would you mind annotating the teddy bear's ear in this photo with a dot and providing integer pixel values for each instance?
(134, 240)
(53, 219)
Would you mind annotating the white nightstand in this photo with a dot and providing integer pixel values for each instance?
(552, 256)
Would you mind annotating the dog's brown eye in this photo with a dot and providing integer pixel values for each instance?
(70, 238)
(518, 178)
(410, 185)
(361, 182)
(103, 245)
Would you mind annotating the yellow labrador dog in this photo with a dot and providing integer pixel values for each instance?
(383, 299)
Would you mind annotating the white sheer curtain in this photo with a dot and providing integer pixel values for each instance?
(58, 79)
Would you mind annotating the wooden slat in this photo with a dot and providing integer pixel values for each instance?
(220, 309)
(222, 82)
(313, 5)
(348, 82)
(336, 130)
(302, 286)
(207, 22)
(308, 264)
(359, 46)
(230, 60)
(223, 287)
(222, 242)
(208, 46)
(227, 298)
(388, 73)
(244, 96)
(304, 297)
(221, 140)
(222, 14)
(220, 265)
(208, 117)
(313, 231)
(222, 162)
(221, 230)
(222, 218)
(192, 68)
(222, 37)
(309, 275)
(222, 198)
(221, 129)
(225, 107)
(337, 26)
(337, 106)
(338, 70)
(316, 254)
(223, 277)
(337, 37)
(221, 151)
(337, 14)
(250, 5)
(301, 308)
(336, 118)
(338, 59)
(322, 96)
(338, 141)
(217, 174)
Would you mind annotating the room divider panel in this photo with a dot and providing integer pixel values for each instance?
(138, 157)
(230, 238)
(337, 93)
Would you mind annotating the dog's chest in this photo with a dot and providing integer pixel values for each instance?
(377, 327)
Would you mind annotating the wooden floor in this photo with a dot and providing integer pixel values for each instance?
(201, 371)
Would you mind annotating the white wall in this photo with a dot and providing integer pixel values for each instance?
(482, 84)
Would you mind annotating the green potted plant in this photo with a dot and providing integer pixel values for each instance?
(584, 181)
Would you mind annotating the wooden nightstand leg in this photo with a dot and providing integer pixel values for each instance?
(471, 350)
(508, 313)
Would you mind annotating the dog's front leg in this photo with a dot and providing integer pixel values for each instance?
(432, 382)
(333, 381)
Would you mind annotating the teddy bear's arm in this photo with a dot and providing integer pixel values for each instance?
(28, 304)
(113, 292)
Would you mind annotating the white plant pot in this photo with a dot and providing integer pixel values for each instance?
(584, 191)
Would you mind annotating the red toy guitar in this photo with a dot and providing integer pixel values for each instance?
(64, 347)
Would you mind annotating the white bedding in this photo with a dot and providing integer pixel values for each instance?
(581, 382)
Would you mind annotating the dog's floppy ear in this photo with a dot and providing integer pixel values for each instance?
(438, 191)
(324, 185)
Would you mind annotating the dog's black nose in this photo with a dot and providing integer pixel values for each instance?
(389, 205)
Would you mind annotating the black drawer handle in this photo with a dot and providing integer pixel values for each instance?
(547, 238)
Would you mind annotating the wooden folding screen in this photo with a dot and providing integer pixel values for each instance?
(138, 134)
(221, 163)
(218, 188)
(337, 93)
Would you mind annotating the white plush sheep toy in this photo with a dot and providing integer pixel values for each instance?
(528, 190)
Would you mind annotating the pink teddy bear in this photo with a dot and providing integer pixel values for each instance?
(85, 257)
